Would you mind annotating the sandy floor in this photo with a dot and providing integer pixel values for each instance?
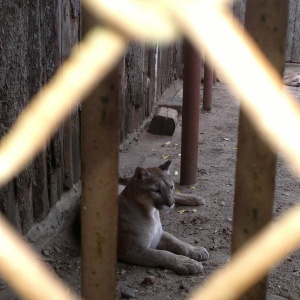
(209, 225)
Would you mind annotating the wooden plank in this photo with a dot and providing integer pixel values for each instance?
(56, 147)
(100, 173)
(54, 163)
(25, 198)
(291, 30)
(159, 73)
(51, 34)
(65, 30)
(28, 84)
(9, 204)
(163, 69)
(67, 128)
(145, 110)
(40, 198)
(21, 51)
(26, 210)
(295, 52)
(75, 21)
(266, 21)
(166, 67)
(292, 53)
(3, 199)
(152, 79)
(76, 146)
(70, 36)
(13, 206)
(100, 145)
(51, 177)
(178, 60)
(122, 99)
(44, 194)
(50, 13)
(23, 192)
(137, 119)
(146, 81)
(68, 154)
(60, 170)
(134, 93)
(74, 27)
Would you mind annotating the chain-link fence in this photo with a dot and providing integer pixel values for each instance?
(206, 24)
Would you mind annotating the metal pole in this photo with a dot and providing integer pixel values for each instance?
(99, 207)
(190, 114)
(207, 89)
(214, 77)
(266, 20)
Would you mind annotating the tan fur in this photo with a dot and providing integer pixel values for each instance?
(141, 239)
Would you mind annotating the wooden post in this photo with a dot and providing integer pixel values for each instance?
(266, 20)
(99, 208)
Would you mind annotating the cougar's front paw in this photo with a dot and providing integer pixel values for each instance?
(199, 253)
(198, 200)
(186, 266)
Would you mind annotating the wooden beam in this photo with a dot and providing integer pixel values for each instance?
(99, 207)
(266, 20)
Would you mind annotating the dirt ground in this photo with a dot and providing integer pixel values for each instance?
(209, 225)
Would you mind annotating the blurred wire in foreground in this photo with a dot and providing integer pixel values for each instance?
(238, 61)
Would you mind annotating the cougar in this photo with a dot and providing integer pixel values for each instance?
(141, 239)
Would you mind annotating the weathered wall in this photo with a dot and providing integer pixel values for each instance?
(36, 37)
(293, 37)
(146, 73)
(31, 35)
(239, 10)
(293, 32)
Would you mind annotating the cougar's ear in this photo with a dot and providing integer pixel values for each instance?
(166, 166)
(141, 173)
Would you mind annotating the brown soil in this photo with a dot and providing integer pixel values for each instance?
(209, 225)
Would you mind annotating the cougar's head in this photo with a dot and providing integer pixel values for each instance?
(154, 187)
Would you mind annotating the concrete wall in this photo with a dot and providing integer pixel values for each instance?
(35, 39)
(145, 75)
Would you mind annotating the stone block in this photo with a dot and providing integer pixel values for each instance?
(164, 121)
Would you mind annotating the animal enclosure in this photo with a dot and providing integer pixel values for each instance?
(193, 27)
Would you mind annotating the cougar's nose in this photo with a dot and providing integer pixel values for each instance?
(170, 203)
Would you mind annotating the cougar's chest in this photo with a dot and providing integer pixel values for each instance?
(156, 230)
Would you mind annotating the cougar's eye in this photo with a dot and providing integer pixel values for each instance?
(157, 191)
(172, 187)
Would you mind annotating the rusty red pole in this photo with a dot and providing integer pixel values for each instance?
(207, 89)
(214, 77)
(190, 114)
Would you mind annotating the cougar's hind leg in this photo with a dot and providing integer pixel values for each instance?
(188, 199)
(159, 258)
